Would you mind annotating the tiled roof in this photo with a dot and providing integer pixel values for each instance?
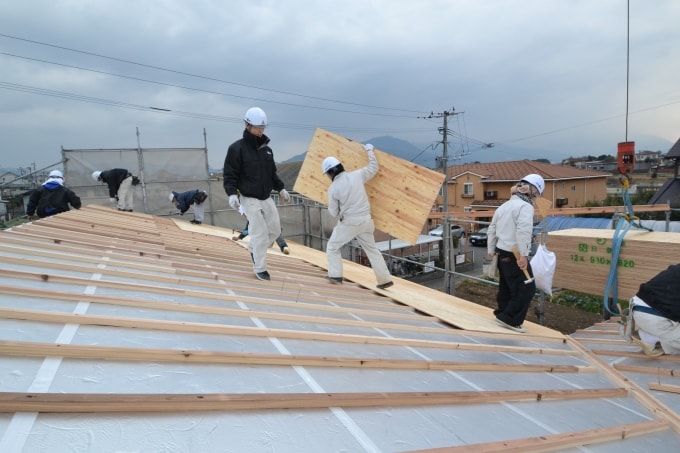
(674, 152)
(515, 170)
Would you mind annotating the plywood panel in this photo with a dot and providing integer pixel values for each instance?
(401, 194)
(584, 258)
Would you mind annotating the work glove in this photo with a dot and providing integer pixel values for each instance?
(368, 147)
(284, 193)
(233, 201)
(113, 200)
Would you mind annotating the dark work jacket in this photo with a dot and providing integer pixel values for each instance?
(51, 198)
(662, 292)
(185, 199)
(249, 168)
(113, 178)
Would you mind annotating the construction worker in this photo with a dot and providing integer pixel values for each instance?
(656, 313)
(52, 197)
(193, 198)
(511, 228)
(249, 170)
(347, 200)
(119, 181)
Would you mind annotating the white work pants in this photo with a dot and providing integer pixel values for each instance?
(668, 331)
(125, 194)
(362, 229)
(199, 211)
(263, 229)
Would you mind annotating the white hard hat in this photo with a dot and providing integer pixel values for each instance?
(96, 174)
(536, 181)
(329, 163)
(255, 116)
(56, 174)
(171, 196)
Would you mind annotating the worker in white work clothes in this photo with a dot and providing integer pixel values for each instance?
(656, 313)
(348, 201)
(119, 182)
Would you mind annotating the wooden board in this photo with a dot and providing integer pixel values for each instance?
(401, 194)
(584, 258)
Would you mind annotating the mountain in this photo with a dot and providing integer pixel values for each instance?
(396, 147)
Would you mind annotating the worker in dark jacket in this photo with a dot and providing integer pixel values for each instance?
(52, 197)
(250, 171)
(656, 312)
(195, 198)
(119, 181)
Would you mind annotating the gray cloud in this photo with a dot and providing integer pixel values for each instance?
(538, 79)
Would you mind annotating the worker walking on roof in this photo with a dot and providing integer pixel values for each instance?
(249, 170)
(347, 200)
(52, 197)
(193, 198)
(656, 312)
(119, 181)
(511, 228)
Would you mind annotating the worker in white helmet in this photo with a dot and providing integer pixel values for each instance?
(119, 182)
(347, 200)
(52, 197)
(250, 171)
(509, 237)
(191, 198)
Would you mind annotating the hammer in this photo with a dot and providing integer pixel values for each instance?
(526, 272)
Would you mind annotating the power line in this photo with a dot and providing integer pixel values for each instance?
(139, 79)
(288, 93)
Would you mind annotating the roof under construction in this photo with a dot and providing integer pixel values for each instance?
(129, 332)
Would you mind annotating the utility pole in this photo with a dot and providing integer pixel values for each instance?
(449, 288)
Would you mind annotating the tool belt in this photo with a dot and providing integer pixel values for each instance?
(648, 310)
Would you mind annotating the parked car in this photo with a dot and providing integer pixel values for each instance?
(479, 238)
(456, 231)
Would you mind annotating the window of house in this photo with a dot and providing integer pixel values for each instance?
(468, 189)
(573, 188)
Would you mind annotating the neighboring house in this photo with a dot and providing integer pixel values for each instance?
(670, 191)
(485, 186)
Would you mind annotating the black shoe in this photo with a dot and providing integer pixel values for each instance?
(263, 275)
(335, 280)
(195, 222)
(385, 285)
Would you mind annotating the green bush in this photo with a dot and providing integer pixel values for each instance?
(585, 302)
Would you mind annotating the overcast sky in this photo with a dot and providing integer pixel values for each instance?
(537, 79)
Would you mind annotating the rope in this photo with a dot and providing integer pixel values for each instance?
(628, 220)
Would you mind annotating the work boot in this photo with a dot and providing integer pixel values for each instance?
(195, 222)
(262, 275)
(335, 280)
(385, 285)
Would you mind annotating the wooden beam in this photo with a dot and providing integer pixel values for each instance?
(136, 403)
(559, 442)
(554, 211)
(32, 349)
(221, 329)
(657, 371)
(664, 387)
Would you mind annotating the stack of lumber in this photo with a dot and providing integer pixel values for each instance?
(584, 258)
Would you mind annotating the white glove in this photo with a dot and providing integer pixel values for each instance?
(233, 201)
(113, 200)
(368, 147)
(284, 193)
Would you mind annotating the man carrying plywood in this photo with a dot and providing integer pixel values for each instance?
(348, 201)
